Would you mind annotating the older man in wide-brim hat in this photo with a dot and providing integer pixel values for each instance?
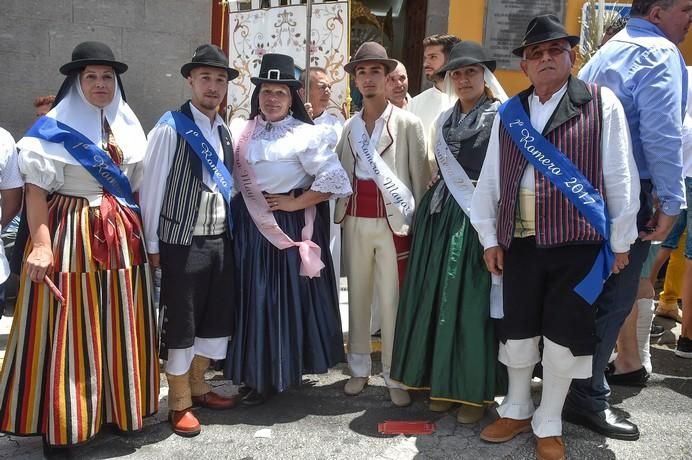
(382, 148)
(547, 229)
(185, 200)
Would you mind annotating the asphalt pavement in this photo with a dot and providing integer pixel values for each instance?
(317, 421)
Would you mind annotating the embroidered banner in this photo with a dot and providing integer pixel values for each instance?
(281, 28)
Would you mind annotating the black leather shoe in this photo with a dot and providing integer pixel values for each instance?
(255, 398)
(244, 390)
(636, 378)
(606, 422)
(50, 451)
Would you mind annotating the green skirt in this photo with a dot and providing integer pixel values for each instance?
(445, 339)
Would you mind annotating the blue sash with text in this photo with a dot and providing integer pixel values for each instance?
(218, 171)
(92, 157)
(562, 173)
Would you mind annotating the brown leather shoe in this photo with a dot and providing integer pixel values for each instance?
(214, 401)
(504, 429)
(184, 423)
(550, 448)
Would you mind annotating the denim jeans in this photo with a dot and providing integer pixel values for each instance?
(684, 222)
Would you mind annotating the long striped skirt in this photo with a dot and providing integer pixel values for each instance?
(71, 368)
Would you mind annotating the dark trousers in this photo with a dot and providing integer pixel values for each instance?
(197, 291)
(612, 308)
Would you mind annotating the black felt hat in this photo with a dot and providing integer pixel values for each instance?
(92, 53)
(544, 28)
(371, 52)
(467, 53)
(209, 56)
(277, 68)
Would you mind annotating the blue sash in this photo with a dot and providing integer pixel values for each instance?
(92, 157)
(562, 173)
(187, 128)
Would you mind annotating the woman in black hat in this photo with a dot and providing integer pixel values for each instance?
(444, 336)
(88, 359)
(288, 313)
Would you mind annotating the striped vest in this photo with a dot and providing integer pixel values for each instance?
(558, 222)
(184, 186)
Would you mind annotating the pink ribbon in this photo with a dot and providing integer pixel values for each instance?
(310, 253)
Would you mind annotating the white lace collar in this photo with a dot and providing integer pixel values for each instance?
(271, 130)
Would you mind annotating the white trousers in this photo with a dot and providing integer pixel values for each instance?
(179, 359)
(371, 267)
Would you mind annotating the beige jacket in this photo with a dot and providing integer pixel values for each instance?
(402, 147)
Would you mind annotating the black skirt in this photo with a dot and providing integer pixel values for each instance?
(287, 325)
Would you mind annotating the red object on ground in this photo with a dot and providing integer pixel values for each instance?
(401, 427)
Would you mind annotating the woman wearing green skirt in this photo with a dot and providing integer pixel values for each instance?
(445, 339)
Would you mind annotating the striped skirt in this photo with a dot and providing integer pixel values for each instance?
(71, 368)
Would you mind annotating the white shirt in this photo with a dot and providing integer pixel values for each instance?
(427, 106)
(327, 119)
(620, 175)
(158, 161)
(362, 171)
(687, 132)
(9, 178)
(289, 154)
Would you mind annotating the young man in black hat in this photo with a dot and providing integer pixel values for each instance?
(185, 206)
(383, 151)
(546, 227)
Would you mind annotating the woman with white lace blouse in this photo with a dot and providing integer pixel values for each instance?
(287, 320)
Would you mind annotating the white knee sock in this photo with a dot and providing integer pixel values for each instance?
(560, 366)
(547, 420)
(518, 404)
(645, 315)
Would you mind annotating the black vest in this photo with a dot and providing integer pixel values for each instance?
(184, 187)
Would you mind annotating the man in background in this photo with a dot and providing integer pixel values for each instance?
(396, 87)
(433, 101)
(643, 66)
(43, 104)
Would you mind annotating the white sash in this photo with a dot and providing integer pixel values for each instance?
(457, 181)
(460, 186)
(389, 184)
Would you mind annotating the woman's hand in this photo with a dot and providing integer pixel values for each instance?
(283, 203)
(292, 203)
(39, 263)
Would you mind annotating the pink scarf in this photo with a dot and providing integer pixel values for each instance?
(310, 253)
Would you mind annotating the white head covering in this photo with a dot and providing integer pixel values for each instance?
(75, 111)
(490, 81)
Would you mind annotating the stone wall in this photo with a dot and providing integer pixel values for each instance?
(154, 37)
